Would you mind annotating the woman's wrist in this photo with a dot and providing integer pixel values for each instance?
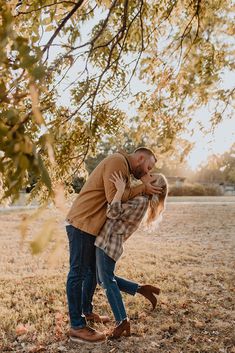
(117, 196)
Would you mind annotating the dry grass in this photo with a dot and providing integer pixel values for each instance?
(190, 257)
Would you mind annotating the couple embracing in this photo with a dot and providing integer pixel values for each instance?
(103, 216)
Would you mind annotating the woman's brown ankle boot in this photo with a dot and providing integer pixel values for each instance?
(122, 329)
(148, 292)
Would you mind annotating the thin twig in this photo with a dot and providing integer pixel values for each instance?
(63, 22)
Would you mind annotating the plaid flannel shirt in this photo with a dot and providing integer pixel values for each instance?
(122, 220)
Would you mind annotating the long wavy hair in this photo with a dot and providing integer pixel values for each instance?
(157, 202)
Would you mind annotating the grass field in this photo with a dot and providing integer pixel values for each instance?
(191, 257)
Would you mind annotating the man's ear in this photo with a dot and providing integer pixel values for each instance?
(141, 158)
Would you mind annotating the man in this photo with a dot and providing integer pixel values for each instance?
(85, 220)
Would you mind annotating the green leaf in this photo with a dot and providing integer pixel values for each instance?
(46, 21)
(38, 72)
(43, 237)
(23, 162)
(44, 173)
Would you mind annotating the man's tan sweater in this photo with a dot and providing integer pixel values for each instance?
(88, 212)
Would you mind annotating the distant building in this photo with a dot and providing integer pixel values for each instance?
(176, 181)
(227, 188)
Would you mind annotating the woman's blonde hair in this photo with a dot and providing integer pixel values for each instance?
(157, 202)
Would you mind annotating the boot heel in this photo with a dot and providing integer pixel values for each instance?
(157, 290)
(148, 292)
(128, 331)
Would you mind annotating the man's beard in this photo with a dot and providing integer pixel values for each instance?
(138, 172)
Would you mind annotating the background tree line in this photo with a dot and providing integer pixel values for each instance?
(217, 169)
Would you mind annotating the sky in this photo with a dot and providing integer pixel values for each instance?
(216, 142)
(213, 143)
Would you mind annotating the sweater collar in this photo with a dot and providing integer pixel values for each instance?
(126, 155)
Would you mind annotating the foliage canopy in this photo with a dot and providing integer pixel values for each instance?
(93, 54)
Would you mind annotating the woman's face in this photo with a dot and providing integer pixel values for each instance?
(159, 181)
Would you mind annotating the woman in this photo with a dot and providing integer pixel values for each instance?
(122, 220)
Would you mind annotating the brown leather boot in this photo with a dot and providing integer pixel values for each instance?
(123, 328)
(86, 335)
(148, 292)
(92, 317)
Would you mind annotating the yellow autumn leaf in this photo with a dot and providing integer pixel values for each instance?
(35, 104)
(43, 237)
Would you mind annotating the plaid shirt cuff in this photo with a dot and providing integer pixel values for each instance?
(114, 210)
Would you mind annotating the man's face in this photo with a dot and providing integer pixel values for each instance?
(145, 164)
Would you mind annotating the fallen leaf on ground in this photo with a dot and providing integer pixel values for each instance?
(21, 330)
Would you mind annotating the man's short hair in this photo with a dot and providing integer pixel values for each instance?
(146, 151)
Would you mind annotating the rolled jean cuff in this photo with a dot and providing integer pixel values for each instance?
(119, 322)
(139, 286)
(77, 328)
(80, 323)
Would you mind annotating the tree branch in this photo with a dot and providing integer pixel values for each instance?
(44, 6)
(69, 15)
(92, 41)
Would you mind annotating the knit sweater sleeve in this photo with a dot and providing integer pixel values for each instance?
(116, 165)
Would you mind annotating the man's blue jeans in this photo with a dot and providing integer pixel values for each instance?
(81, 281)
(113, 285)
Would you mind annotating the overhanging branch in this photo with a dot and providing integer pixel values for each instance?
(63, 22)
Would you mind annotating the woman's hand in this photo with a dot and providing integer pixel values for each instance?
(118, 181)
(151, 189)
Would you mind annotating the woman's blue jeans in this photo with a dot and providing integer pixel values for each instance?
(81, 281)
(112, 284)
